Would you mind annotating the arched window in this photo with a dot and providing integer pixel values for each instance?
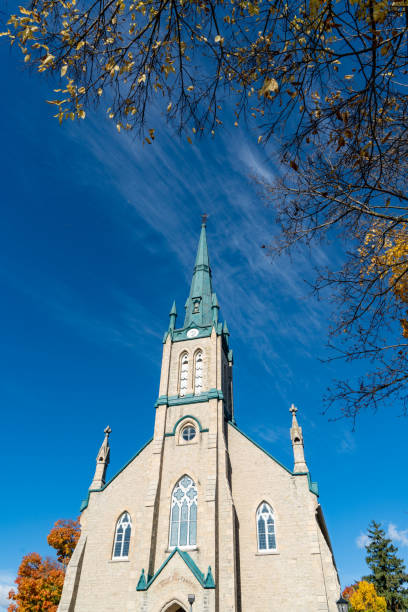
(183, 374)
(183, 518)
(198, 374)
(265, 524)
(122, 537)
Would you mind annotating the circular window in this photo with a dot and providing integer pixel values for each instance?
(188, 433)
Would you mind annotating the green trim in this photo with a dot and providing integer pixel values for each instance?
(161, 401)
(313, 486)
(85, 502)
(176, 400)
(187, 416)
(142, 585)
(207, 582)
(204, 331)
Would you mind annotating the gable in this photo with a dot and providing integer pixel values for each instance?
(85, 502)
(169, 567)
(245, 439)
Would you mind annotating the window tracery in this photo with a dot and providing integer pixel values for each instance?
(265, 524)
(122, 537)
(183, 518)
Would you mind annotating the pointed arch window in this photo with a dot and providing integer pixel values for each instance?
(183, 374)
(265, 524)
(183, 517)
(122, 537)
(198, 373)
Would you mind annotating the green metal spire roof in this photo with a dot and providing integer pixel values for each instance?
(199, 302)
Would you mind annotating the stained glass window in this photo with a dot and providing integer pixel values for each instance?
(265, 523)
(184, 374)
(198, 376)
(183, 519)
(122, 537)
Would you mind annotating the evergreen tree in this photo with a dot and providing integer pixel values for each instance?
(388, 573)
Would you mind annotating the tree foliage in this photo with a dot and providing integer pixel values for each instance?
(64, 537)
(365, 599)
(325, 80)
(349, 590)
(39, 585)
(40, 581)
(388, 573)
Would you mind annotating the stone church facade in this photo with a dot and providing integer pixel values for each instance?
(201, 511)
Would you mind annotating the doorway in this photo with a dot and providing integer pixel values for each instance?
(175, 608)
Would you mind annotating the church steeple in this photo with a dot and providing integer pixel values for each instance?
(200, 300)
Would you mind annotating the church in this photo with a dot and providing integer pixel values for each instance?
(202, 518)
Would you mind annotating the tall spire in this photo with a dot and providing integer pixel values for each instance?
(199, 302)
(102, 462)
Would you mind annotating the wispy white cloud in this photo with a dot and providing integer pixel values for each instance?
(272, 434)
(398, 535)
(168, 186)
(362, 540)
(347, 442)
(6, 583)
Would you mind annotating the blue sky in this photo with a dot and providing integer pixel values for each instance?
(97, 237)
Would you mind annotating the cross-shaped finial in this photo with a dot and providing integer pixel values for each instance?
(293, 409)
(107, 430)
(204, 218)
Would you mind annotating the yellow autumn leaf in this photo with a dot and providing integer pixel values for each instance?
(64, 70)
(269, 86)
(48, 59)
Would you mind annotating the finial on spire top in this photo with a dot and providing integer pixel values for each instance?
(107, 430)
(204, 218)
(293, 409)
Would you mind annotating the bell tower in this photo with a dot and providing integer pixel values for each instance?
(197, 361)
(190, 442)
